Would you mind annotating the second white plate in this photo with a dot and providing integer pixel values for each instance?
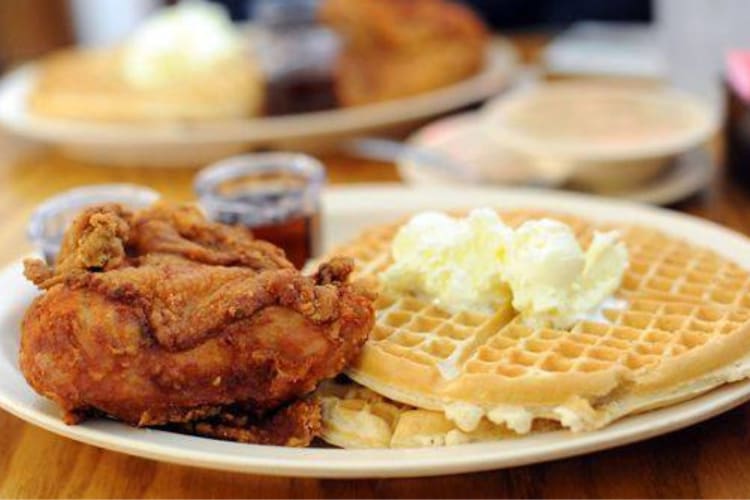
(182, 144)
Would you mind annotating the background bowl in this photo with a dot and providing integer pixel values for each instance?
(603, 136)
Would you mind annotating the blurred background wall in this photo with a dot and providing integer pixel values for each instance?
(29, 28)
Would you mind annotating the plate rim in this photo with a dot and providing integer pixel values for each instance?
(334, 463)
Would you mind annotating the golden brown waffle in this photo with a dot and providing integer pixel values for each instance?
(88, 85)
(678, 327)
(356, 417)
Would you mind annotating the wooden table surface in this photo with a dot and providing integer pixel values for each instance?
(711, 459)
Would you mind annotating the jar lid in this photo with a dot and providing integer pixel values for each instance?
(53, 216)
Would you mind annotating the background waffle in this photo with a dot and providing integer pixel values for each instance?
(678, 327)
(89, 85)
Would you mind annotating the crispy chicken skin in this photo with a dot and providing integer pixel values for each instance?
(159, 316)
(293, 425)
(397, 48)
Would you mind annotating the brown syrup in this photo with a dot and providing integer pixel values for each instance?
(300, 92)
(296, 236)
(290, 224)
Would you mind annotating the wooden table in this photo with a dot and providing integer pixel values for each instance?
(711, 459)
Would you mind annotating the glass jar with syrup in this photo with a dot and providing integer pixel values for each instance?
(274, 195)
(297, 54)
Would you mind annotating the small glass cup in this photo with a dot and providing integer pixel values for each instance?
(275, 195)
(53, 216)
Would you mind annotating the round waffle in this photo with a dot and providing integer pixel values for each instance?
(89, 85)
(678, 326)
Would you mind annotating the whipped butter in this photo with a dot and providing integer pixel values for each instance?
(178, 42)
(553, 281)
(458, 263)
(479, 263)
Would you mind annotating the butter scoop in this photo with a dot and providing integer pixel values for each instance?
(479, 263)
(458, 263)
(554, 282)
(178, 42)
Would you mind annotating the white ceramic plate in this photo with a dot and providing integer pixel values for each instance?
(463, 139)
(347, 211)
(183, 144)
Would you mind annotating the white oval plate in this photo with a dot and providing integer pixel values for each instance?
(179, 144)
(347, 211)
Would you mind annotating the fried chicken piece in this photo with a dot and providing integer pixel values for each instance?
(159, 316)
(397, 48)
(294, 425)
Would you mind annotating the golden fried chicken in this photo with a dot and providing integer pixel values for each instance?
(159, 316)
(396, 48)
(293, 425)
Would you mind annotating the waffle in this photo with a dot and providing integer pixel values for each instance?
(677, 327)
(88, 85)
(356, 417)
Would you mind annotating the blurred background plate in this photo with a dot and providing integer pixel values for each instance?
(462, 139)
(192, 144)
